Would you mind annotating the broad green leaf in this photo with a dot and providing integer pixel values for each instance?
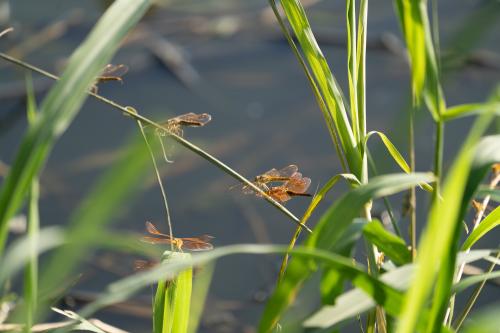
(391, 245)
(465, 110)
(438, 239)
(62, 103)
(329, 231)
(173, 299)
(491, 221)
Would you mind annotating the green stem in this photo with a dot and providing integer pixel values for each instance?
(160, 183)
(195, 149)
(438, 158)
(413, 195)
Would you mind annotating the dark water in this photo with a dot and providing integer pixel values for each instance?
(264, 116)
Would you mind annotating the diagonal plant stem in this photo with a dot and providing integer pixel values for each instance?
(195, 149)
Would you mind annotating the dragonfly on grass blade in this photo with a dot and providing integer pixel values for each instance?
(201, 243)
(273, 175)
(295, 186)
(110, 73)
(175, 125)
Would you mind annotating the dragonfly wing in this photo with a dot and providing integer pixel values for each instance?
(196, 245)
(288, 171)
(154, 240)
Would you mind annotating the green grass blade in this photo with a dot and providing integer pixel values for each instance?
(489, 223)
(438, 239)
(330, 89)
(317, 94)
(470, 281)
(201, 285)
(353, 181)
(391, 245)
(465, 110)
(395, 154)
(411, 20)
(31, 270)
(63, 102)
(361, 64)
(173, 299)
(352, 66)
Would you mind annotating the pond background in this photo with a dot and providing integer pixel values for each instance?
(241, 71)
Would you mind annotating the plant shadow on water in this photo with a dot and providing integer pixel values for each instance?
(264, 116)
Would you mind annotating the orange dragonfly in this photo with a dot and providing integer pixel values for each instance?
(296, 186)
(110, 72)
(271, 176)
(201, 243)
(175, 125)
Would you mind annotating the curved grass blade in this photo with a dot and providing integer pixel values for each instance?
(489, 223)
(465, 110)
(391, 245)
(396, 155)
(63, 102)
(353, 181)
(470, 281)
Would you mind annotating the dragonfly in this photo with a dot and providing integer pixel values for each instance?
(110, 72)
(273, 175)
(175, 126)
(295, 186)
(201, 243)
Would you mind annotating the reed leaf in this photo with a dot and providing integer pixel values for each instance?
(62, 103)
(391, 245)
(172, 301)
(330, 89)
(489, 223)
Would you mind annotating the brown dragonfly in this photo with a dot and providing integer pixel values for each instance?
(110, 72)
(201, 243)
(296, 186)
(175, 125)
(273, 175)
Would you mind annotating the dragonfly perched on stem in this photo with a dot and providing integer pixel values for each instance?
(110, 72)
(295, 186)
(201, 243)
(292, 184)
(175, 126)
